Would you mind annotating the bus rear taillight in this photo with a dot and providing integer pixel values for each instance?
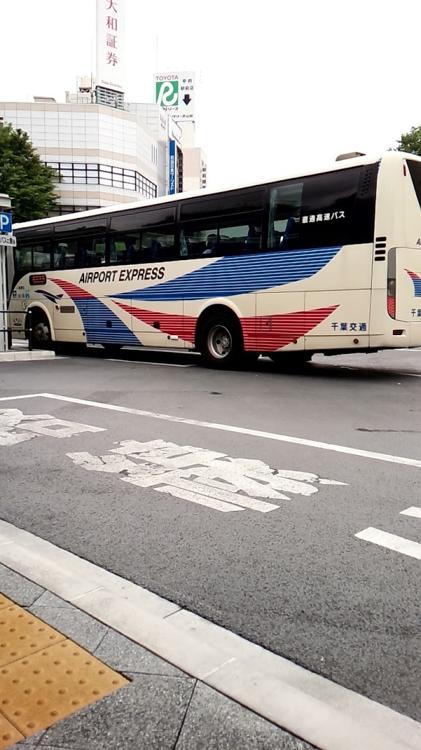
(391, 297)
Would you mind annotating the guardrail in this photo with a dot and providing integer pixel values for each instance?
(28, 328)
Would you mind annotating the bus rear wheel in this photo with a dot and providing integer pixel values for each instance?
(221, 341)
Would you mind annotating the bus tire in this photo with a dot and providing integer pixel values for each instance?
(220, 340)
(41, 332)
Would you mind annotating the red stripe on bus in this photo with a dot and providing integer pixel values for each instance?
(182, 326)
(262, 333)
(73, 291)
(267, 333)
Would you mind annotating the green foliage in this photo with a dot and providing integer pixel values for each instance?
(28, 181)
(411, 142)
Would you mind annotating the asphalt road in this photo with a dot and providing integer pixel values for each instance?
(286, 569)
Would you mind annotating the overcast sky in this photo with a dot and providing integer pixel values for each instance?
(281, 86)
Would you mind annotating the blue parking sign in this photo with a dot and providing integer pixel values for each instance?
(5, 222)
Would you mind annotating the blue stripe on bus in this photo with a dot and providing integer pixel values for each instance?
(417, 287)
(239, 275)
(95, 315)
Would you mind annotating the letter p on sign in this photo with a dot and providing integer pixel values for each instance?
(5, 222)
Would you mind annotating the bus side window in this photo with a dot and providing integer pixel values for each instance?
(23, 260)
(64, 254)
(98, 252)
(158, 245)
(284, 215)
(196, 241)
(234, 235)
(90, 252)
(41, 258)
(243, 236)
(125, 249)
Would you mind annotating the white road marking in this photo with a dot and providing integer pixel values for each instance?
(198, 498)
(17, 398)
(413, 511)
(202, 476)
(391, 541)
(155, 364)
(242, 431)
(403, 460)
(17, 357)
(15, 427)
(319, 711)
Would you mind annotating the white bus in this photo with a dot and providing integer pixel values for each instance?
(323, 262)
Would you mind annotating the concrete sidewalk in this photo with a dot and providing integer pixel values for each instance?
(22, 355)
(161, 707)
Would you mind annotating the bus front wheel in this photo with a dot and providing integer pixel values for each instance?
(220, 341)
(41, 333)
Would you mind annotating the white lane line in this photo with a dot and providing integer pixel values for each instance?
(17, 360)
(242, 431)
(321, 712)
(154, 364)
(413, 511)
(391, 541)
(15, 398)
(403, 460)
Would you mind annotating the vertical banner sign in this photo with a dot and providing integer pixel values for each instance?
(109, 44)
(171, 162)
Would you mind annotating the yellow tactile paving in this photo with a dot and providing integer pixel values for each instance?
(8, 734)
(4, 602)
(22, 634)
(52, 679)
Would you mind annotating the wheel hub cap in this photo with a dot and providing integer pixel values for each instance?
(220, 341)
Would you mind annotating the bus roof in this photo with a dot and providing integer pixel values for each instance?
(180, 197)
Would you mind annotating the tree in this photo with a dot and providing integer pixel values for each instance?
(411, 142)
(28, 181)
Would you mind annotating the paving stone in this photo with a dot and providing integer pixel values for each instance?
(18, 588)
(124, 655)
(30, 741)
(77, 625)
(146, 714)
(214, 722)
(51, 600)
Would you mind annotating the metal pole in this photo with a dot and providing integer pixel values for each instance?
(30, 330)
